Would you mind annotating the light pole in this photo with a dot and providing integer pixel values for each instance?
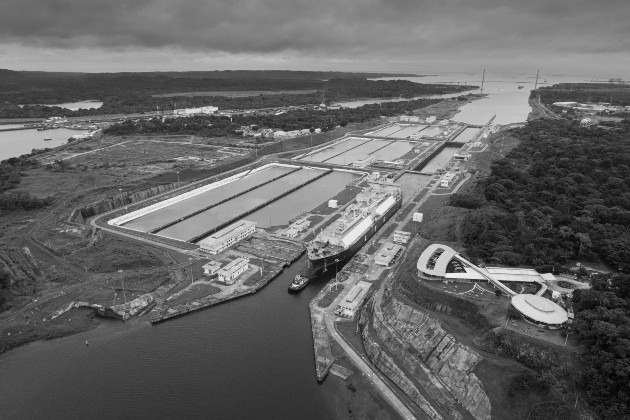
(336, 261)
(178, 178)
(191, 273)
(122, 280)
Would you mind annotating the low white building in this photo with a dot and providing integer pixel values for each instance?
(230, 272)
(401, 237)
(227, 237)
(387, 254)
(462, 155)
(349, 305)
(211, 268)
(193, 111)
(447, 179)
(430, 119)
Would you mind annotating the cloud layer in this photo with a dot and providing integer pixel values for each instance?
(344, 29)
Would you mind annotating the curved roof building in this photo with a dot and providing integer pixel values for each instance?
(539, 310)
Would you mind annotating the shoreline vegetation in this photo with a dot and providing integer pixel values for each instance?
(125, 93)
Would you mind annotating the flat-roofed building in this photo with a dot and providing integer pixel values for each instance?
(539, 311)
(234, 269)
(462, 155)
(447, 179)
(211, 268)
(227, 237)
(401, 237)
(349, 305)
(387, 254)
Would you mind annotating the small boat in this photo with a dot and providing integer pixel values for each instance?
(47, 139)
(299, 283)
(87, 343)
(521, 86)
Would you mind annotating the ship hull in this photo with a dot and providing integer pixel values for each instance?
(331, 262)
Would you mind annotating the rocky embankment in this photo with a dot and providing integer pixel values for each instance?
(420, 357)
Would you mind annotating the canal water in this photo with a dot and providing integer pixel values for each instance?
(329, 152)
(75, 106)
(175, 211)
(394, 150)
(357, 153)
(19, 142)
(215, 216)
(438, 161)
(467, 135)
(304, 199)
(251, 358)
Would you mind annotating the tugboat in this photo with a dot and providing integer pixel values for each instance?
(521, 86)
(299, 283)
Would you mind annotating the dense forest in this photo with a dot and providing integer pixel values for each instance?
(215, 126)
(603, 324)
(124, 93)
(584, 92)
(563, 193)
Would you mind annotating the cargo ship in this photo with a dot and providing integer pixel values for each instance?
(338, 242)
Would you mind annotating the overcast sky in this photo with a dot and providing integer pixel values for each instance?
(578, 37)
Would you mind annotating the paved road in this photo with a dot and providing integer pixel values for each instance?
(380, 385)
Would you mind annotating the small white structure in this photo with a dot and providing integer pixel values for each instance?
(401, 237)
(318, 130)
(586, 122)
(234, 269)
(430, 119)
(409, 118)
(211, 268)
(462, 155)
(297, 227)
(349, 305)
(418, 217)
(447, 179)
(279, 134)
(193, 111)
(387, 254)
(332, 204)
(227, 237)
(364, 162)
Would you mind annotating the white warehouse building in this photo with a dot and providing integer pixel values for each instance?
(223, 239)
(234, 269)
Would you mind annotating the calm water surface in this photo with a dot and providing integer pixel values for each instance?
(74, 106)
(215, 216)
(317, 192)
(19, 142)
(251, 358)
(175, 211)
(439, 160)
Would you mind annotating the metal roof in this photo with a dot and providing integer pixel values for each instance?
(439, 269)
(539, 309)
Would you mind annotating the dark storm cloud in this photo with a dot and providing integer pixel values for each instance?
(335, 27)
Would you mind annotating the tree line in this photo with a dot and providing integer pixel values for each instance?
(221, 126)
(127, 94)
(562, 193)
